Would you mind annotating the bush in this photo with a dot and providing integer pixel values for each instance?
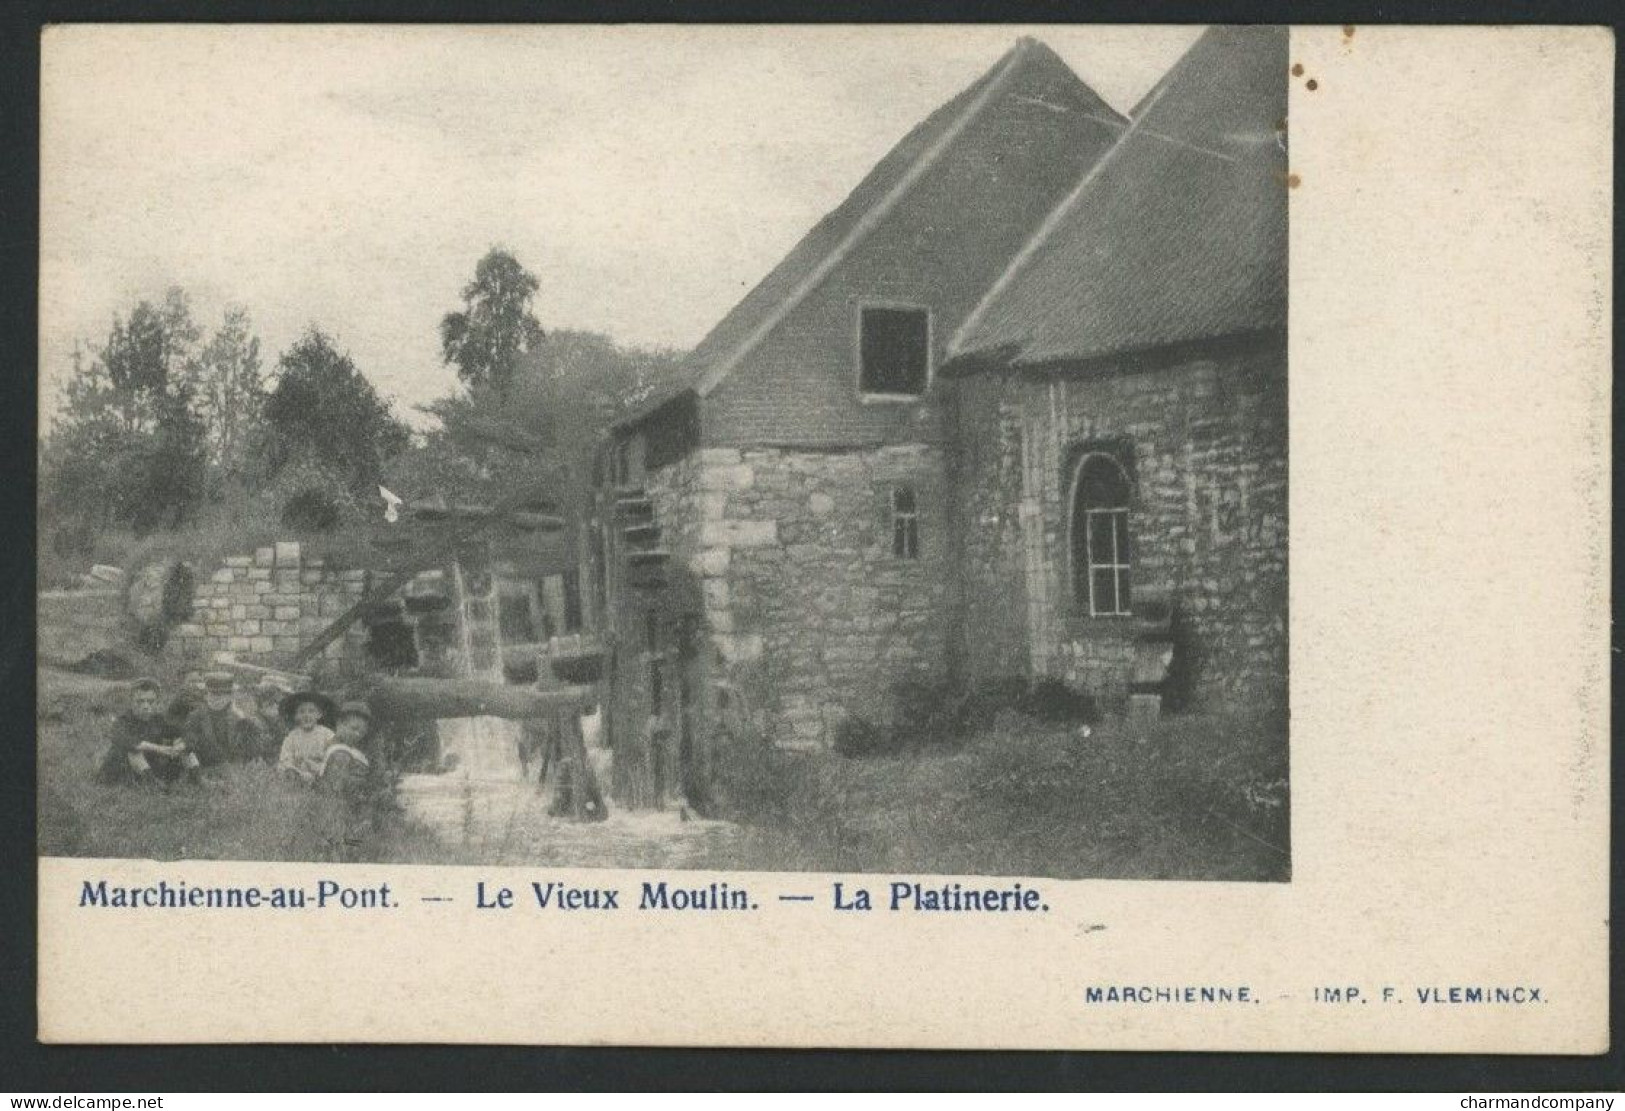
(933, 716)
(1053, 701)
(311, 510)
(980, 707)
(858, 736)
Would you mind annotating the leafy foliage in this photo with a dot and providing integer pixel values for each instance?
(496, 335)
(130, 449)
(228, 384)
(324, 411)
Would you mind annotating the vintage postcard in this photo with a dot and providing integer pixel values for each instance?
(977, 536)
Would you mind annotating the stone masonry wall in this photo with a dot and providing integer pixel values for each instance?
(261, 608)
(800, 585)
(1206, 440)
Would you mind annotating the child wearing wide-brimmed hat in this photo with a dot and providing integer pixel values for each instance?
(304, 749)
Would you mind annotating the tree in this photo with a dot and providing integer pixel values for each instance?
(128, 448)
(322, 411)
(229, 388)
(495, 336)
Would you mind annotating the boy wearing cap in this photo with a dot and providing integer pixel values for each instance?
(304, 749)
(346, 762)
(143, 747)
(215, 732)
(267, 714)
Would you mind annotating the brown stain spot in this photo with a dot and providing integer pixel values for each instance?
(1297, 69)
(1293, 181)
(1311, 84)
(1348, 31)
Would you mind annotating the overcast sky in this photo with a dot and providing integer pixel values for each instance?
(351, 177)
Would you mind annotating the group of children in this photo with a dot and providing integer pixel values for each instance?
(237, 725)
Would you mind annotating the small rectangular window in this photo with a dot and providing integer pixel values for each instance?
(905, 524)
(894, 351)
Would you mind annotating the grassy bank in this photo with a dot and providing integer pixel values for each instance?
(242, 813)
(1184, 798)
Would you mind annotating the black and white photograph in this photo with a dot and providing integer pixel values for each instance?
(744, 451)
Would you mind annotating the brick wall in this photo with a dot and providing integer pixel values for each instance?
(260, 608)
(944, 243)
(1206, 437)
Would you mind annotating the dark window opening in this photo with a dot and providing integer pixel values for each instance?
(392, 645)
(620, 468)
(572, 601)
(894, 351)
(905, 523)
(1101, 561)
(516, 615)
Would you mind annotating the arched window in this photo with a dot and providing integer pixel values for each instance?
(1099, 532)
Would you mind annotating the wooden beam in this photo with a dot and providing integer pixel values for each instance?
(407, 569)
(423, 699)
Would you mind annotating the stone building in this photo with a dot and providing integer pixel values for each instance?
(1033, 311)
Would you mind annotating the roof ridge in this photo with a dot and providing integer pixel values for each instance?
(719, 370)
(1059, 212)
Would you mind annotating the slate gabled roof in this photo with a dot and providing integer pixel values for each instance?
(821, 250)
(1178, 233)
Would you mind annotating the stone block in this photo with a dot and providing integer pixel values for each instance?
(739, 534)
(225, 657)
(239, 612)
(239, 561)
(287, 553)
(248, 628)
(189, 630)
(224, 575)
(738, 476)
(310, 577)
(712, 562)
(264, 557)
(331, 605)
(719, 456)
(738, 648)
(716, 594)
(264, 587)
(239, 644)
(713, 507)
(287, 580)
(264, 644)
(357, 576)
(286, 613)
(820, 505)
(218, 629)
(259, 574)
(257, 612)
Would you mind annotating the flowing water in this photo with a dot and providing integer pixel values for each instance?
(485, 806)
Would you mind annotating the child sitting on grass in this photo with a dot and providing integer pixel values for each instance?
(304, 749)
(346, 764)
(143, 747)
